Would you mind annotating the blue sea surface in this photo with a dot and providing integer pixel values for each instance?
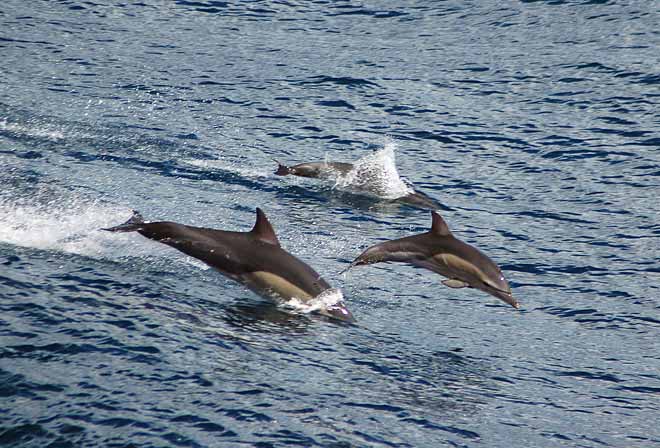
(535, 123)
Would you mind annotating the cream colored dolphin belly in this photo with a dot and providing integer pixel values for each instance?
(274, 284)
(460, 267)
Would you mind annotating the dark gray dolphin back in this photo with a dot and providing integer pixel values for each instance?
(315, 169)
(235, 254)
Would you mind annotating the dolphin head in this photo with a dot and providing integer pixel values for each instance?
(330, 303)
(494, 283)
(374, 254)
(338, 311)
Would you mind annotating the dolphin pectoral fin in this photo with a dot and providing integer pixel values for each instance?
(454, 283)
(134, 223)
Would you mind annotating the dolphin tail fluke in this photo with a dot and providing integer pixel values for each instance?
(134, 223)
(282, 170)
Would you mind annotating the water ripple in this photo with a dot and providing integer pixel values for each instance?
(544, 151)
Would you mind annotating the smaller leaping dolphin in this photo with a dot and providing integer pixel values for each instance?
(253, 258)
(440, 251)
(332, 170)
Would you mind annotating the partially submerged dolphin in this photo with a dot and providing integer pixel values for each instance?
(322, 170)
(253, 258)
(440, 251)
(331, 170)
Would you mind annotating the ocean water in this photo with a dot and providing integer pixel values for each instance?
(536, 123)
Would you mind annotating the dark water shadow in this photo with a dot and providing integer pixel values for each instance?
(264, 316)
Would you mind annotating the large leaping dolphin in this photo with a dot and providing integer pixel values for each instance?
(440, 251)
(332, 170)
(253, 258)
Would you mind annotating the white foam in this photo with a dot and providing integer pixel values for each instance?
(232, 167)
(327, 299)
(66, 225)
(376, 174)
(72, 224)
(42, 131)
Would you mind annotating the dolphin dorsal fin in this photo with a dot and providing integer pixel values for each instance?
(263, 230)
(439, 226)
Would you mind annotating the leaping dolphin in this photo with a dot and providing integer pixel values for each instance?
(330, 170)
(440, 251)
(253, 258)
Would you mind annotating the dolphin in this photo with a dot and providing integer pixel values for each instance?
(318, 170)
(254, 259)
(438, 250)
(331, 170)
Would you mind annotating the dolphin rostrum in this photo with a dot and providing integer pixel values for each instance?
(440, 251)
(253, 258)
(332, 170)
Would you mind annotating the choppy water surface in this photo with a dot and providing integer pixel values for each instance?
(535, 123)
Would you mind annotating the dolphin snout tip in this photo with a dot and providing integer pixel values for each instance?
(512, 301)
(350, 266)
(340, 312)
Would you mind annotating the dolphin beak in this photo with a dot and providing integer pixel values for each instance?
(343, 271)
(505, 296)
(356, 262)
(339, 311)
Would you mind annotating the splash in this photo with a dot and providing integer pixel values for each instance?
(51, 219)
(65, 225)
(327, 299)
(72, 224)
(376, 174)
